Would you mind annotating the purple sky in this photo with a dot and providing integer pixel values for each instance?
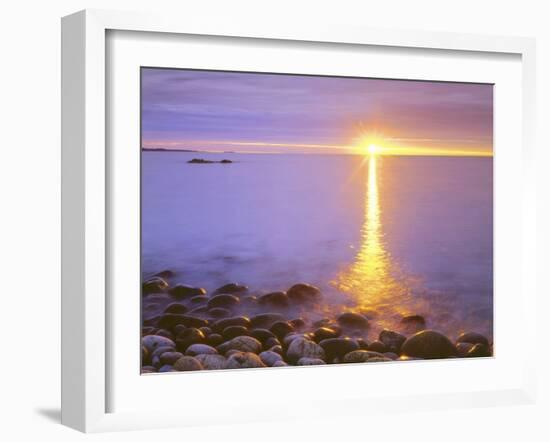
(209, 110)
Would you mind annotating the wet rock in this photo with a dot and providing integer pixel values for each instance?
(164, 274)
(231, 288)
(303, 293)
(169, 357)
(408, 358)
(206, 330)
(270, 342)
(338, 347)
(298, 323)
(219, 312)
(310, 361)
(462, 348)
(479, 351)
(379, 359)
(176, 307)
(270, 357)
(323, 322)
(428, 344)
(197, 300)
(353, 321)
(244, 360)
(220, 325)
(200, 349)
(214, 339)
(170, 320)
(265, 320)
(363, 344)
(290, 337)
(304, 348)
(391, 355)
(281, 329)
(280, 364)
(242, 344)
(152, 342)
(200, 310)
(249, 302)
(189, 337)
(182, 291)
(154, 285)
(359, 356)
(324, 333)
(233, 331)
(277, 349)
(211, 361)
(166, 368)
(262, 334)
(223, 301)
(179, 328)
(144, 355)
(165, 333)
(148, 331)
(274, 300)
(473, 338)
(413, 323)
(377, 346)
(187, 363)
(392, 340)
(159, 351)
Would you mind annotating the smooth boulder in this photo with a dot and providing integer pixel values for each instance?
(428, 344)
(304, 348)
(246, 344)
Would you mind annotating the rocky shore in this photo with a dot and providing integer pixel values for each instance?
(185, 328)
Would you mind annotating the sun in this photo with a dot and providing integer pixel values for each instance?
(373, 149)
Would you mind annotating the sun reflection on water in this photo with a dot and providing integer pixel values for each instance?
(373, 280)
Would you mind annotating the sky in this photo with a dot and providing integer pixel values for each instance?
(279, 113)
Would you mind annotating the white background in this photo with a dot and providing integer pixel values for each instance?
(30, 111)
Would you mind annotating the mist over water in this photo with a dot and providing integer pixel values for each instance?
(393, 235)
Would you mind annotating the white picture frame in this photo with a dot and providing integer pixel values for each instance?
(86, 212)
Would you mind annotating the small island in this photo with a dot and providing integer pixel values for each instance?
(203, 161)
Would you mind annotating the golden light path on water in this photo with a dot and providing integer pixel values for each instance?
(373, 281)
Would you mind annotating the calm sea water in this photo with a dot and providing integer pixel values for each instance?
(397, 235)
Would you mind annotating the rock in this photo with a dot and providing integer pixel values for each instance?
(176, 307)
(200, 310)
(166, 368)
(392, 340)
(270, 357)
(159, 351)
(379, 359)
(211, 361)
(170, 320)
(148, 369)
(413, 323)
(244, 360)
(270, 342)
(265, 320)
(297, 323)
(408, 358)
(353, 321)
(145, 356)
(428, 344)
(187, 363)
(324, 322)
(391, 355)
(219, 312)
(338, 347)
(303, 293)
(359, 356)
(164, 274)
(200, 349)
(242, 344)
(165, 333)
(377, 346)
(223, 301)
(197, 300)
(147, 331)
(281, 329)
(249, 302)
(169, 357)
(222, 324)
(233, 331)
(324, 333)
(189, 337)
(231, 288)
(214, 339)
(154, 285)
(151, 342)
(262, 334)
(462, 348)
(277, 349)
(275, 299)
(363, 344)
(310, 361)
(179, 328)
(207, 331)
(304, 348)
(479, 351)
(473, 338)
(290, 337)
(182, 291)
(280, 364)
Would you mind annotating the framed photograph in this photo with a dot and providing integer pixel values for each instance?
(250, 211)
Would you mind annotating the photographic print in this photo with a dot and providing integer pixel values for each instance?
(291, 220)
